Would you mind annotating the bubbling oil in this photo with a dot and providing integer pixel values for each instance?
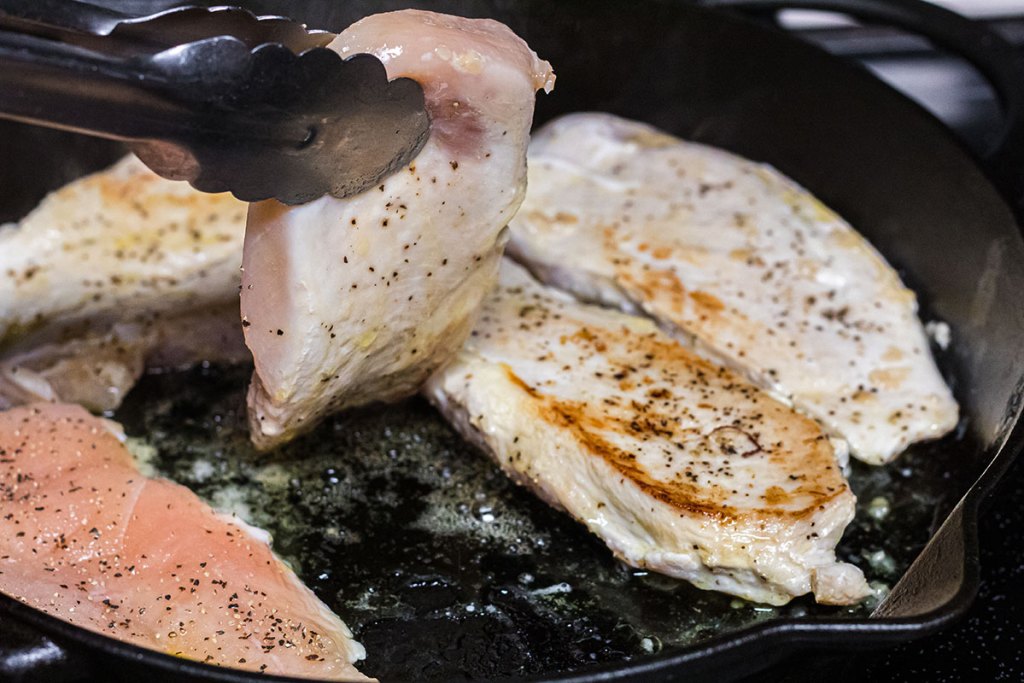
(444, 568)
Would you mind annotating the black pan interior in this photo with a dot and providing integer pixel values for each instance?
(481, 580)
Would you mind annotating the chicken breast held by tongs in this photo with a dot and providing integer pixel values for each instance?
(346, 302)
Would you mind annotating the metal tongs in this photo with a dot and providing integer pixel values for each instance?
(224, 99)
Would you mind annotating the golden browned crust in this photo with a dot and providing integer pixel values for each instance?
(802, 449)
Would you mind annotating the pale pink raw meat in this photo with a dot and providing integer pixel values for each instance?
(86, 537)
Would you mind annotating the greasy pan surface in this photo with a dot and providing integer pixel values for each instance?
(446, 571)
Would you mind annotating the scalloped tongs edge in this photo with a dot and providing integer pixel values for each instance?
(219, 97)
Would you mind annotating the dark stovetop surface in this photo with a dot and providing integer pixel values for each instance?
(987, 644)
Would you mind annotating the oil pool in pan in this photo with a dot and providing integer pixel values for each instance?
(444, 569)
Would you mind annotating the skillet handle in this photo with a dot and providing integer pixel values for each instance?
(994, 57)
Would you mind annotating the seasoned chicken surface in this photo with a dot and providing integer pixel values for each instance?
(350, 301)
(738, 260)
(116, 242)
(112, 272)
(89, 539)
(679, 465)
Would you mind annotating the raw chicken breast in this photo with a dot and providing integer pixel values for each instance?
(112, 272)
(679, 465)
(86, 537)
(740, 261)
(346, 302)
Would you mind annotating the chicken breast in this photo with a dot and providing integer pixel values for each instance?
(95, 365)
(115, 271)
(116, 242)
(678, 464)
(346, 302)
(741, 262)
(87, 538)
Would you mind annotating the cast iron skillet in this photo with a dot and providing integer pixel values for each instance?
(948, 220)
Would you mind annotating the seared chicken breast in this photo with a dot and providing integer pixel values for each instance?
(116, 242)
(112, 272)
(346, 302)
(743, 264)
(679, 465)
(89, 539)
